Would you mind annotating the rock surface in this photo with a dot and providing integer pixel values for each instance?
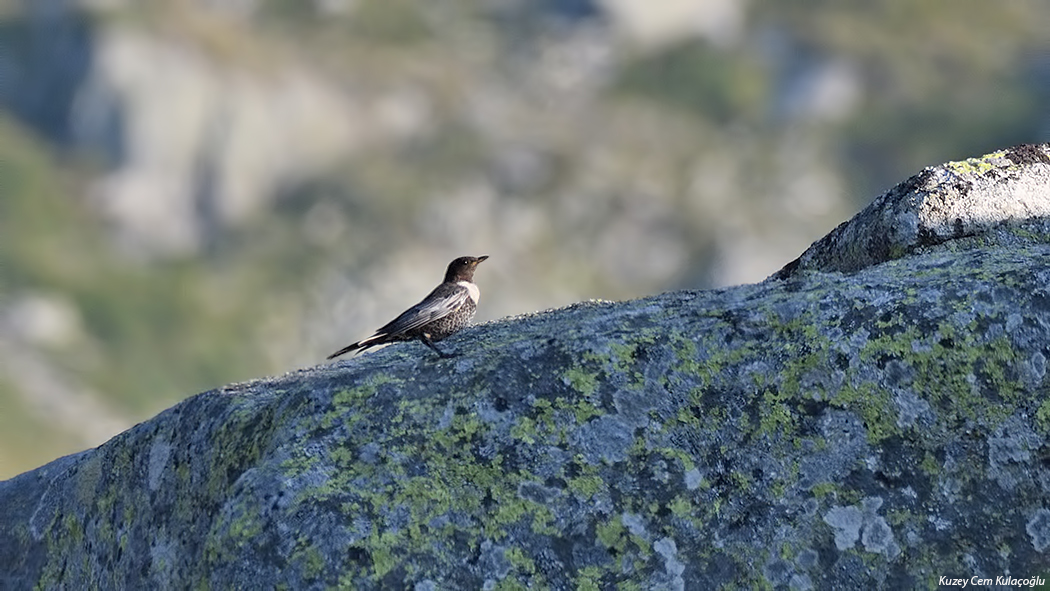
(882, 427)
(1000, 198)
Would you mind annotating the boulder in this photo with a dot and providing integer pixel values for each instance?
(875, 414)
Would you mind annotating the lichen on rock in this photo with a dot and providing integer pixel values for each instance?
(876, 414)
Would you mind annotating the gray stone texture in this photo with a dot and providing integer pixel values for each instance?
(874, 415)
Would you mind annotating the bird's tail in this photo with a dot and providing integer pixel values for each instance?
(371, 341)
(344, 350)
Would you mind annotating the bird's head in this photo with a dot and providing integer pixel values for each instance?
(462, 269)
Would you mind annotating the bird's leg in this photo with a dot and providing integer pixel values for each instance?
(426, 341)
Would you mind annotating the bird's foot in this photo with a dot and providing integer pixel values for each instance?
(426, 341)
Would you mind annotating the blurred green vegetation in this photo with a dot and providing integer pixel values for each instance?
(27, 440)
(703, 81)
(162, 328)
(948, 79)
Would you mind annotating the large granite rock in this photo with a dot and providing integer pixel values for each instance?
(874, 415)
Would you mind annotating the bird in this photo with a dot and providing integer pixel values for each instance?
(448, 308)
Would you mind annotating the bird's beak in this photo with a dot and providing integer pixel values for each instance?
(481, 258)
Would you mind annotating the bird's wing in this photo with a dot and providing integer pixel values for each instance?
(441, 302)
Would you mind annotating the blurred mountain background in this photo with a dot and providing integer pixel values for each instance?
(198, 192)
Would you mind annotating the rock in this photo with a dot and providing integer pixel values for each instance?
(881, 427)
(1000, 197)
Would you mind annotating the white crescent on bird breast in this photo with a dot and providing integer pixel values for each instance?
(472, 291)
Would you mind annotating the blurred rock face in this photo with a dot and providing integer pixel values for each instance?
(204, 143)
(719, 21)
(204, 122)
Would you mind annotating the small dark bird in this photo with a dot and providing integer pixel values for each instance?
(448, 308)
